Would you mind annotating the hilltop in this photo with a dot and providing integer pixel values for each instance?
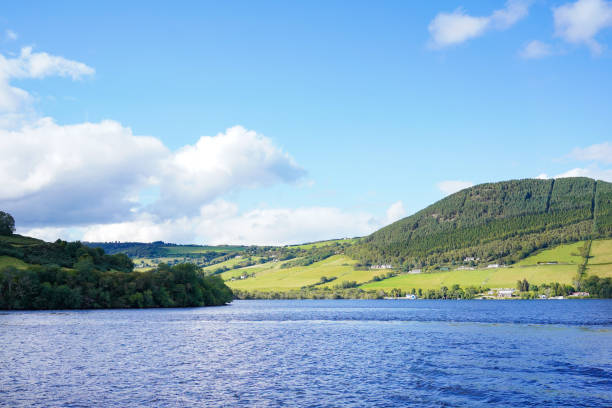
(502, 222)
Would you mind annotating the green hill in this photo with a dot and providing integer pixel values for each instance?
(70, 275)
(503, 222)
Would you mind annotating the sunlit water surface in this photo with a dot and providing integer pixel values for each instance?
(318, 353)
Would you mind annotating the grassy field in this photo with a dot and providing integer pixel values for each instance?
(272, 277)
(325, 243)
(600, 261)
(493, 278)
(230, 263)
(601, 252)
(201, 249)
(10, 261)
(18, 240)
(567, 253)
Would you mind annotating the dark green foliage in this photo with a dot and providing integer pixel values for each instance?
(598, 287)
(133, 249)
(523, 285)
(503, 221)
(603, 209)
(52, 287)
(66, 254)
(7, 224)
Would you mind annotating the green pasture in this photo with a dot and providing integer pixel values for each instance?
(325, 243)
(10, 261)
(493, 278)
(18, 240)
(229, 263)
(271, 276)
(201, 249)
(563, 254)
(601, 252)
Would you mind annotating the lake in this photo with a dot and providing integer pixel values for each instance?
(312, 353)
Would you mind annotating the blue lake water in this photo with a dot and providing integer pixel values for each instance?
(307, 353)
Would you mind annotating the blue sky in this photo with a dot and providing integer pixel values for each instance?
(367, 110)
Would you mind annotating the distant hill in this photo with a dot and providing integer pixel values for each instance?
(503, 221)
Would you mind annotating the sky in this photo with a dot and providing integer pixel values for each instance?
(255, 122)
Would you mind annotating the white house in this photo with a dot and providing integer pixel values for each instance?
(505, 293)
(493, 266)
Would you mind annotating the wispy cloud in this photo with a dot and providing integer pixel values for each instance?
(579, 22)
(448, 29)
(452, 186)
(11, 35)
(35, 65)
(601, 152)
(536, 49)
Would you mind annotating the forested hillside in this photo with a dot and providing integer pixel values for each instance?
(503, 221)
(70, 275)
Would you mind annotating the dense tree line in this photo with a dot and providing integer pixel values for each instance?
(66, 254)
(85, 287)
(503, 221)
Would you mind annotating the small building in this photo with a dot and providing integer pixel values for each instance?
(414, 271)
(444, 268)
(493, 266)
(382, 266)
(579, 294)
(505, 293)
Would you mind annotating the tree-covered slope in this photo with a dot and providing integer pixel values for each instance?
(503, 221)
(70, 275)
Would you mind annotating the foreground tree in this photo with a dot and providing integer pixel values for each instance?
(7, 224)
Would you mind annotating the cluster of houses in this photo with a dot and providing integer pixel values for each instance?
(382, 266)
(506, 293)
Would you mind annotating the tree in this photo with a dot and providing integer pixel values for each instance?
(7, 224)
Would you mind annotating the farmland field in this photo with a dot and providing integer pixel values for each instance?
(325, 243)
(272, 276)
(601, 252)
(493, 278)
(566, 253)
(10, 261)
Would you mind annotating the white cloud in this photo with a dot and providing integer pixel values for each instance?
(395, 212)
(40, 64)
(11, 35)
(579, 22)
(543, 176)
(598, 152)
(454, 28)
(452, 186)
(238, 158)
(536, 49)
(32, 65)
(93, 172)
(75, 173)
(221, 223)
(593, 172)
